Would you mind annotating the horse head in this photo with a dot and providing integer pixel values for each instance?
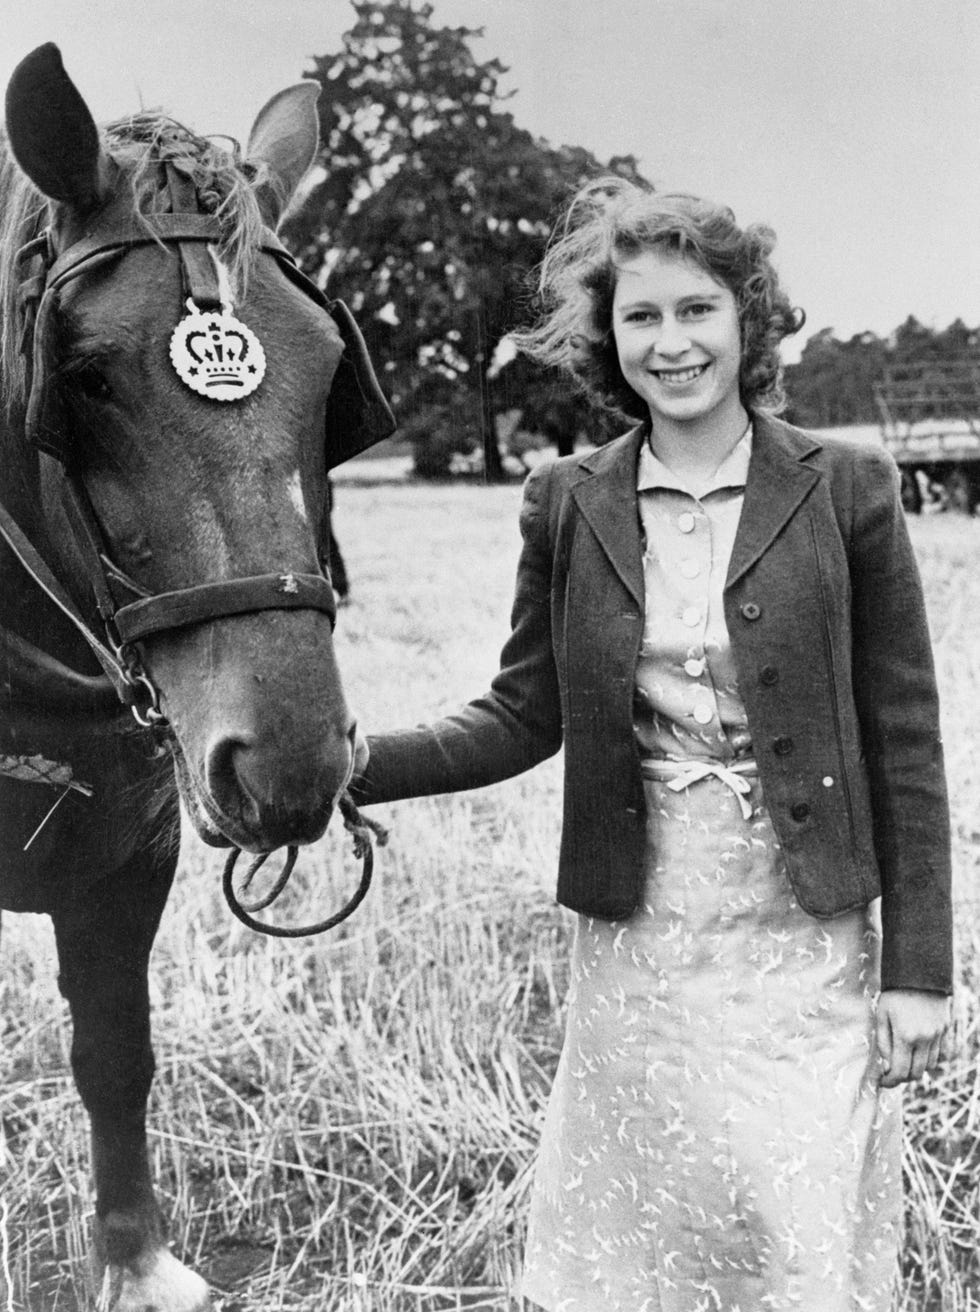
(155, 275)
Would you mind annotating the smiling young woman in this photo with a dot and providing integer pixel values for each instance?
(720, 618)
(679, 348)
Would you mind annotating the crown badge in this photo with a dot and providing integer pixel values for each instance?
(216, 355)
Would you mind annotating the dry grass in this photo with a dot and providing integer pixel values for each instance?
(349, 1123)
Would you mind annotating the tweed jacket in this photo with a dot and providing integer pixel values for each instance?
(827, 624)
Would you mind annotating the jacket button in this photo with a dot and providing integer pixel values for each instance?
(750, 611)
(800, 811)
(783, 745)
(768, 675)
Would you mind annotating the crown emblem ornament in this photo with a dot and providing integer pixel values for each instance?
(216, 355)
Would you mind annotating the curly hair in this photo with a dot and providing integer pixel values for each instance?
(611, 219)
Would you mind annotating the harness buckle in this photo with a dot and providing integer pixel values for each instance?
(139, 687)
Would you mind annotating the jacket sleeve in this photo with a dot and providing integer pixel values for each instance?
(897, 703)
(516, 724)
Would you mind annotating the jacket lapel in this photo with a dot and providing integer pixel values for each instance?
(607, 500)
(777, 484)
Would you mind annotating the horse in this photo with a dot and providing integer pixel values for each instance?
(175, 392)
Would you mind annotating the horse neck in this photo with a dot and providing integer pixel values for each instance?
(21, 499)
(21, 466)
(23, 608)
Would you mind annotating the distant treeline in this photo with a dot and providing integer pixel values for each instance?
(833, 384)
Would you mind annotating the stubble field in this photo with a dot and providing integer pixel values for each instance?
(349, 1122)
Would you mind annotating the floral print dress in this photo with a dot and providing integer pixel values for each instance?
(716, 1138)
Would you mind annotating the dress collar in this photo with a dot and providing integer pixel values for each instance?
(731, 473)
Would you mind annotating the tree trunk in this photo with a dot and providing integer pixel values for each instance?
(493, 465)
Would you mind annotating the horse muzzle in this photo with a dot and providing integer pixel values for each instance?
(264, 742)
(267, 798)
(243, 803)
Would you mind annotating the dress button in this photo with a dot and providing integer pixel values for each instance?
(690, 569)
(694, 668)
(685, 522)
(750, 611)
(800, 811)
(769, 675)
(691, 616)
(782, 745)
(703, 713)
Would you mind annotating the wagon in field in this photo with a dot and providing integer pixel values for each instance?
(929, 415)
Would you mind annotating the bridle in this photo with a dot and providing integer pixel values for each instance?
(128, 612)
(126, 624)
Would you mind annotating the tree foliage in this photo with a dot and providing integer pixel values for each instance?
(431, 211)
(833, 383)
(428, 215)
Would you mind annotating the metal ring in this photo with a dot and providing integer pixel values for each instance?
(137, 679)
(151, 718)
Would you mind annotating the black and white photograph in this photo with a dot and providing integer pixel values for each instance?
(490, 656)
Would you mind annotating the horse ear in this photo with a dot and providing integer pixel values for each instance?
(285, 137)
(52, 134)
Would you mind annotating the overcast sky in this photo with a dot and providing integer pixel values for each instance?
(852, 126)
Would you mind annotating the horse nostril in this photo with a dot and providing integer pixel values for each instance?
(225, 782)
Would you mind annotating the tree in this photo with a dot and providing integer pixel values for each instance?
(834, 382)
(432, 209)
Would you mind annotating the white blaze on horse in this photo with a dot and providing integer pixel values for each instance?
(175, 393)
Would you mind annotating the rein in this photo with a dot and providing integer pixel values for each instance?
(142, 614)
(355, 824)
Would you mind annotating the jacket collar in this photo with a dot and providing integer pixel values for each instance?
(778, 482)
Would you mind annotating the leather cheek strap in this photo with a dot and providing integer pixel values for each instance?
(40, 326)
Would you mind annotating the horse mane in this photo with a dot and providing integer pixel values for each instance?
(22, 213)
(139, 144)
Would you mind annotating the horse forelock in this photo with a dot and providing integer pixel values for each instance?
(224, 182)
(139, 145)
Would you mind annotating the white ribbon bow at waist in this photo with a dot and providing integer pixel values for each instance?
(678, 775)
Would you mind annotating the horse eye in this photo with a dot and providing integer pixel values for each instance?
(92, 384)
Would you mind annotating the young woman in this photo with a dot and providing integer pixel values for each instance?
(721, 618)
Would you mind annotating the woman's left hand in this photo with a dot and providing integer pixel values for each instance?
(913, 1034)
